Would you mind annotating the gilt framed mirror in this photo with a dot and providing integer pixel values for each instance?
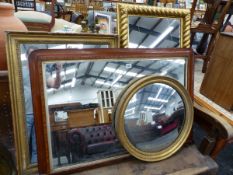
(153, 117)
(88, 95)
(19, 44)
(141, 26)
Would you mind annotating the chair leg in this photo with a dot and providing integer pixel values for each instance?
(209, 52)
(220, 144)
(203, 44)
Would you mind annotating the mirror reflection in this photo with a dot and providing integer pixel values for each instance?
(25, 50)
(79, 106)
(154, 117)
(150, 32)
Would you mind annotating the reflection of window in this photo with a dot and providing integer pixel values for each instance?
(106, 98)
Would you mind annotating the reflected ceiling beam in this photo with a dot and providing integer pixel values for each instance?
(103, 78)
(152, 28)
(154, 33)
(149, 69)
(108, 79)
(177, 44)
(134, 24)
(76, 71)
(100, 73)
(169, 37)
(146, 67)
(88, 70)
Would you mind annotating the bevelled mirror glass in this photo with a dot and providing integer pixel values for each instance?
(153, 117)
(77, 117)
(141, 26)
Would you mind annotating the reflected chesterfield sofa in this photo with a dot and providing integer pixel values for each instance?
(91, 140)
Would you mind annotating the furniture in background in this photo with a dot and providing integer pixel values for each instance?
(6, 128)
(7, 164)
(91, 140)
(82, 123)
(217, 84)
(210, 26)
(36, 20)
(216, 123)
(25, 5)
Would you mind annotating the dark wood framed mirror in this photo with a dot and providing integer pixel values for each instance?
(100, 75)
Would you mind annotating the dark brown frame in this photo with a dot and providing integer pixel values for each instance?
(39, 56)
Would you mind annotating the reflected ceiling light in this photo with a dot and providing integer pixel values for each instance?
(77, 46)
(141, 46)
(131, 74)
(160, 89)
(66, 84)
(106, 83)
(61, 46)
(122, 72)
(50, 90)
(118, 71)
(158, 100)
(152, 107)
(162, 36)
(163, 85)
(131, 109)
(140, 75)
(134, 99)
(164, 72)
(99, 82)
(62, 73)
(133, 45)
(23, 57)
(180, 61)
(73, 82)
(116, 80)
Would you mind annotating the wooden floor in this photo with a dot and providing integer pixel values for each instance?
(188, 161)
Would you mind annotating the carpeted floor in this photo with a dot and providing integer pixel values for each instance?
(225, 160)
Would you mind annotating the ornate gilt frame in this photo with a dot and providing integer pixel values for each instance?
(124, 10)
(14, 40)
(120, 108)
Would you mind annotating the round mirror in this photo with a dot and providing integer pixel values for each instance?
(153, 117)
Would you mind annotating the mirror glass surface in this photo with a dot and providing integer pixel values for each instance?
(151, 32)
(25, 49)
(153, 118)
(79, 110)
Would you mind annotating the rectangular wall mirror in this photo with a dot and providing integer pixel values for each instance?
(141, 26)
(74, 120)
(19, 45)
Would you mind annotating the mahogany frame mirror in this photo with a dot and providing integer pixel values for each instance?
(99, 77)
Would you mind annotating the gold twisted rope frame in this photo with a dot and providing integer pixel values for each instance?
(125, 10)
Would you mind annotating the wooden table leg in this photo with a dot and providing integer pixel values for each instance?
(220, 143)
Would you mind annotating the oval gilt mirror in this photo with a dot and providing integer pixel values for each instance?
(153, 117)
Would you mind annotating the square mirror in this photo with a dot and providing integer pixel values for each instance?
(141, 26)
(76, 115)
